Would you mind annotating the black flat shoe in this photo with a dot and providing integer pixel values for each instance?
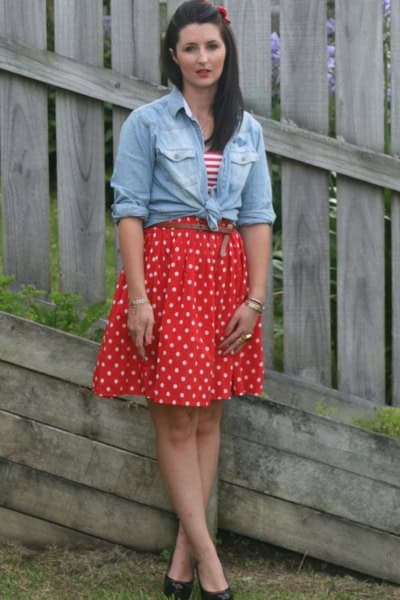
(178, 590)
(226, 594)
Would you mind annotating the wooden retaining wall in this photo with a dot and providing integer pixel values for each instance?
(81, 470)
(69, 457)
(71, 460)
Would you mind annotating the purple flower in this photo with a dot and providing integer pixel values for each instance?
(276, 61)
(107, 24)
(275, 46)
(331, 51)
(107, 30)
(387, 7)
(331, 27)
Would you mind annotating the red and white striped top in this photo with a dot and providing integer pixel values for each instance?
(213, 162)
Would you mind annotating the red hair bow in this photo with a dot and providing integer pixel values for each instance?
(224, 13)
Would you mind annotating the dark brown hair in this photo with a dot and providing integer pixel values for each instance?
(228, 103)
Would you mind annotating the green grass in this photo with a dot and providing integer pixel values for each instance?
(386, 421)
(256, 571)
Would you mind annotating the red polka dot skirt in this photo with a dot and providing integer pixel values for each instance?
(194, 292)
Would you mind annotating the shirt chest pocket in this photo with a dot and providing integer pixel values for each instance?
(241, 163)
(179, 165)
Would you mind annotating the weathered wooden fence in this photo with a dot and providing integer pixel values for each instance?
(75, 468)
(308, 155)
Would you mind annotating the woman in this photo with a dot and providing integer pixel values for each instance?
(194, 213)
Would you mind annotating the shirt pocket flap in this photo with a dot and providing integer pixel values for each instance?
(243, 157)
(177, 154)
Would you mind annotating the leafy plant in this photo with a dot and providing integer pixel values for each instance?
(61, 310)
(386, 421)
(166, 554)
(325, 410)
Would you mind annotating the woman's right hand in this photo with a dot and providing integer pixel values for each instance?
(140, 326)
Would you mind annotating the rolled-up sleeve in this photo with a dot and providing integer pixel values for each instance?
(133, 169)
(257, 194)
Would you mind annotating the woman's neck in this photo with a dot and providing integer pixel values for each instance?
(200, 101)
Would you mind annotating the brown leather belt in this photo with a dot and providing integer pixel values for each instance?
(227, 230)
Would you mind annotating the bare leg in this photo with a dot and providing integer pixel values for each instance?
(179, 462)
(208, 444)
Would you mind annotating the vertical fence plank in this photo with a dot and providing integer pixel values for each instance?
(395, 120)
(80, 156)
(251, 24)
(135, 30)
(135, 46)
(24, 153)
(360, 213)
(305, 197)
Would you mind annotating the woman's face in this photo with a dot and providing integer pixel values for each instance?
(200, 54)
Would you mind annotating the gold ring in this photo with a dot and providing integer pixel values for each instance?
(245, 337)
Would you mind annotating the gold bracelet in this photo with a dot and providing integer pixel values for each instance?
(256, 300)
(136, 301)
(254, 305)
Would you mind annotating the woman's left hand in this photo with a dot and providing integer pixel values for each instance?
(242, 323)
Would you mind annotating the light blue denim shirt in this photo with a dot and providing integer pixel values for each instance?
(160, 173)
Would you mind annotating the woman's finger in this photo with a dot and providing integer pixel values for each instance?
(236, 341)
(229, 341)
(140, 327)
(232, 331)
(148, 332)
(232, 323)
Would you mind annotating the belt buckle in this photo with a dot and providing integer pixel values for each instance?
(228, 230)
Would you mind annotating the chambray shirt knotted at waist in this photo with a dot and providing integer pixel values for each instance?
(160, 173)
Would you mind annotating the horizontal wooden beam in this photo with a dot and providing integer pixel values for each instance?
(101, 466)
(94, 82)
(332, 154)
(19, 528)
(50, 400)
(284, 139)
(316, 398)
(84, 509)
(50, 354)
(310, 532)
(338, 491)
(315, 437)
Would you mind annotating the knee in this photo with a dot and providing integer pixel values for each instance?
(209, 422)
(179, 428)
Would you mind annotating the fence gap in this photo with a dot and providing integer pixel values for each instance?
(395, 212)
(360, 215)
(24, 153)
(305, 209)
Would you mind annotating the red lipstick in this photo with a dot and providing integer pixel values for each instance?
(203, 73)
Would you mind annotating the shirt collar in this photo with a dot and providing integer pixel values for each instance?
(177, 102)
